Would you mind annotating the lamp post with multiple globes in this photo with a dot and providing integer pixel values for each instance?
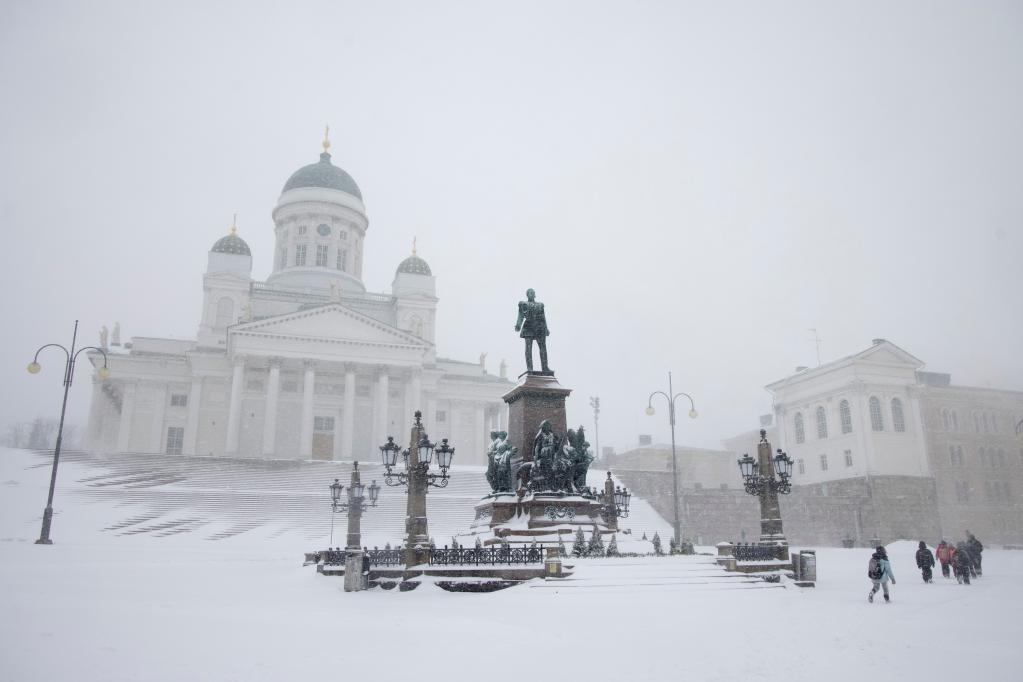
(71, 356)
(670, 397)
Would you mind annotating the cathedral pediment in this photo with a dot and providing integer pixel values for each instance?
(332, 323)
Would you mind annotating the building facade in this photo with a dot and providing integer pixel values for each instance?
(307, 364)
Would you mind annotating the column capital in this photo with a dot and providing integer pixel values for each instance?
(349, 367)
(239, 360)
(274, 361)
(308, 365)
(381, 371)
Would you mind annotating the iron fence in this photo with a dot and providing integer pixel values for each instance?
(462, 556)
(753, 552)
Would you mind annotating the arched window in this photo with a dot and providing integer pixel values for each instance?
(800, 433)
(876, 418)
(225, 312)
(822, 423)
(898, 418)
(845, 415)
(955, 420)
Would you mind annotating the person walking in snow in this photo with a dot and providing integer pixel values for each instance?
(944, 553)
(975, 549)
(962, 563)
(879, 570)
(925, 561)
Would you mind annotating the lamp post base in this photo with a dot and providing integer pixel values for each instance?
(44, 534)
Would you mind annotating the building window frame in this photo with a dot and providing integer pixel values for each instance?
(824, 462)
(322, 252)
(799, 428)
(898, 415)
(822, 422)
(300, 254)
(845, 416)
(876, 416)
(175, 440)
(848, 458)
(179, 400)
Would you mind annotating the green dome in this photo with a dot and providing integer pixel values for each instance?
(414, 265)
(231, 243)
(323, 174)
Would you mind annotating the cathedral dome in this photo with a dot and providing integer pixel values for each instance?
(414, 265)
(323, 174)
(231, 243)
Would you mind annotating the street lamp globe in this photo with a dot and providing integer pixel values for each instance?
(444, 454)
(650, 411)
(425, 451)
(103, 373)
(389, 452)
(335, 491)
(374, 492)
(34, 367)
(693, 414)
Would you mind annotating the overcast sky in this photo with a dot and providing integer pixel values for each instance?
(687, 186)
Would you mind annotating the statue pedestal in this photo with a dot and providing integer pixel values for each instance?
(528, 516)
(535, 398)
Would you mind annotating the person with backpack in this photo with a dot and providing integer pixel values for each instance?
(944, 553)
(962, 563)
(879, 570)
(975, 549)
(925, 561)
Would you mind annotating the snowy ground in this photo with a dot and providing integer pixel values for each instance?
(99, 606)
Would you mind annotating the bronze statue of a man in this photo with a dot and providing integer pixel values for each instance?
(532, 325)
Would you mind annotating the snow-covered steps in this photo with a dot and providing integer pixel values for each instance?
(669, 573)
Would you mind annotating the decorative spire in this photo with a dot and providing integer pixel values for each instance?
(413, 246)
(234, 224)
(326, 139)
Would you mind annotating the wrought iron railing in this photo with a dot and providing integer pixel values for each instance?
(753, 552)
(386, 557)
(462, 556)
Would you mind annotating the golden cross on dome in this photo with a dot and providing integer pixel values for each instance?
(413, 246)
(326, 139)
(234, 225)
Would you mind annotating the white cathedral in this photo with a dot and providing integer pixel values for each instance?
(307, 365)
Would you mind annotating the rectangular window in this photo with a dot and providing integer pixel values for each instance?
(321, 255)
(175, 439)
(323, 424)
(824, 462)
(300, 254)
(179, 400)
(301, 229)
(802, 466)
(341, 258)
(848, 458)
(442, 416)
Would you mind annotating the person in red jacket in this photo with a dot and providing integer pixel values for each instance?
(945, 551)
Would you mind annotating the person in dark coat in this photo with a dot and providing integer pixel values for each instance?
(925, 561)
(944, 553)
(962, 563)
(975, 549)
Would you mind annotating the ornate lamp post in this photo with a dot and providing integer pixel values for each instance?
(417, 479)
(614, 503)
(69, 374)
(670, 397)
(758, 476)
(355, 505)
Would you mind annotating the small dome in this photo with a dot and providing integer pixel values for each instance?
(323, 174)
(414, 265)
(231, 243)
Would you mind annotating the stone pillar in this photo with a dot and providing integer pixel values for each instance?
(127, 414)
(380, 406)
(305, 439)
(156, 438)
(354, 540)
(273, 386)
(417, 531)
(534, 399)
(480, 438)
(770, 512)
(348, 415)
(192, 421)
(94, 436)
(234, 409)
(609, 499)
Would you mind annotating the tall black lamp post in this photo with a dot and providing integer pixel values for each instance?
(71, 356)
(767, 477)
(417, 478)
(671, 397)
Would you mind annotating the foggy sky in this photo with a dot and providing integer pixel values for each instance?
(687, 186)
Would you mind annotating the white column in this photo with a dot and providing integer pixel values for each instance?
(305, 441)
(480, 439)
(273, 384)
(430, 416)
(127, 414)
(192, 422)
(348, 415)
(234, 410)
(95, 432)
(380, 408)
(156, 440)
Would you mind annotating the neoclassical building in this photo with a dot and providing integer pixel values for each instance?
(307, 364)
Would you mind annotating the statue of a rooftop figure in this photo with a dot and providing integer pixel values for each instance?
(532, 325)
